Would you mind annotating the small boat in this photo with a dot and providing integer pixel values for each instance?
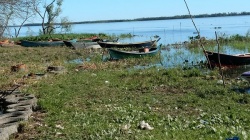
(90, 39)
(6, 41)
(26, 43)
(81, 45)
(142, 52)
(228, 60)
(246, 75)
(128, 45)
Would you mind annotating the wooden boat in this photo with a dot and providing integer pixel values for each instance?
(91, 39)
(6, 41)
(128, 45)
(81, 45)
(119, 54)
(228, 60)
(26, 43)
(246, 75)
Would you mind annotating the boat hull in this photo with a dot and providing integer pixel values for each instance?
(117, 54)
(81, 45)
(228, 60)
(26, 43)
(128, 45)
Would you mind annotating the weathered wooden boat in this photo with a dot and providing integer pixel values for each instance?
(6, 41)
(246, 75)
(26, 43)
(128, 45)
(81, 45)
(90, 39)
(228, 60)
(120, 54)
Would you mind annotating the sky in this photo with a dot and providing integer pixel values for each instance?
(88, 10)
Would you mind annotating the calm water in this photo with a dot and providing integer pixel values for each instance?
(170, 31)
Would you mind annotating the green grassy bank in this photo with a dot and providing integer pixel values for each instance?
(109, 100)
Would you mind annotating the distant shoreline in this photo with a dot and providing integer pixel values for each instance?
(151, 18)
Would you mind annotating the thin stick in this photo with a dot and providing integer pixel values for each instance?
(204, 51)
(154, 43)
(219, 59)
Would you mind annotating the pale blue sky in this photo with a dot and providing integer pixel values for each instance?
(88, 10)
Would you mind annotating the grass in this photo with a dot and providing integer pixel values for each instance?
(108, 100)
(73, 36)
(237, 41)
(169, 100)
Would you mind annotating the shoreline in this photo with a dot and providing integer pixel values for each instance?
(149, 18)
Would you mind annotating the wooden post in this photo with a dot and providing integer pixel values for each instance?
(204, 51)
(221, 71)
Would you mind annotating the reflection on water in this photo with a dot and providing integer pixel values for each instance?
(179, 54)
(175, 56)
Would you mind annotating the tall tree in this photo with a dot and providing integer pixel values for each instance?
(51, 12)
(6, 11)
(25, 14)
(13, 10)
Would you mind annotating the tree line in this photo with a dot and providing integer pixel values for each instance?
(158, 18)
(194, 16)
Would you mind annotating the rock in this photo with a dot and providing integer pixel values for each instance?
(145, 126)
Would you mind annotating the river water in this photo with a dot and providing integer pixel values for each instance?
(170, 31)
(173, 31)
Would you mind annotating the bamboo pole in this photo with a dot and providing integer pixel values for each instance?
(221, 71)
(204, 51)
